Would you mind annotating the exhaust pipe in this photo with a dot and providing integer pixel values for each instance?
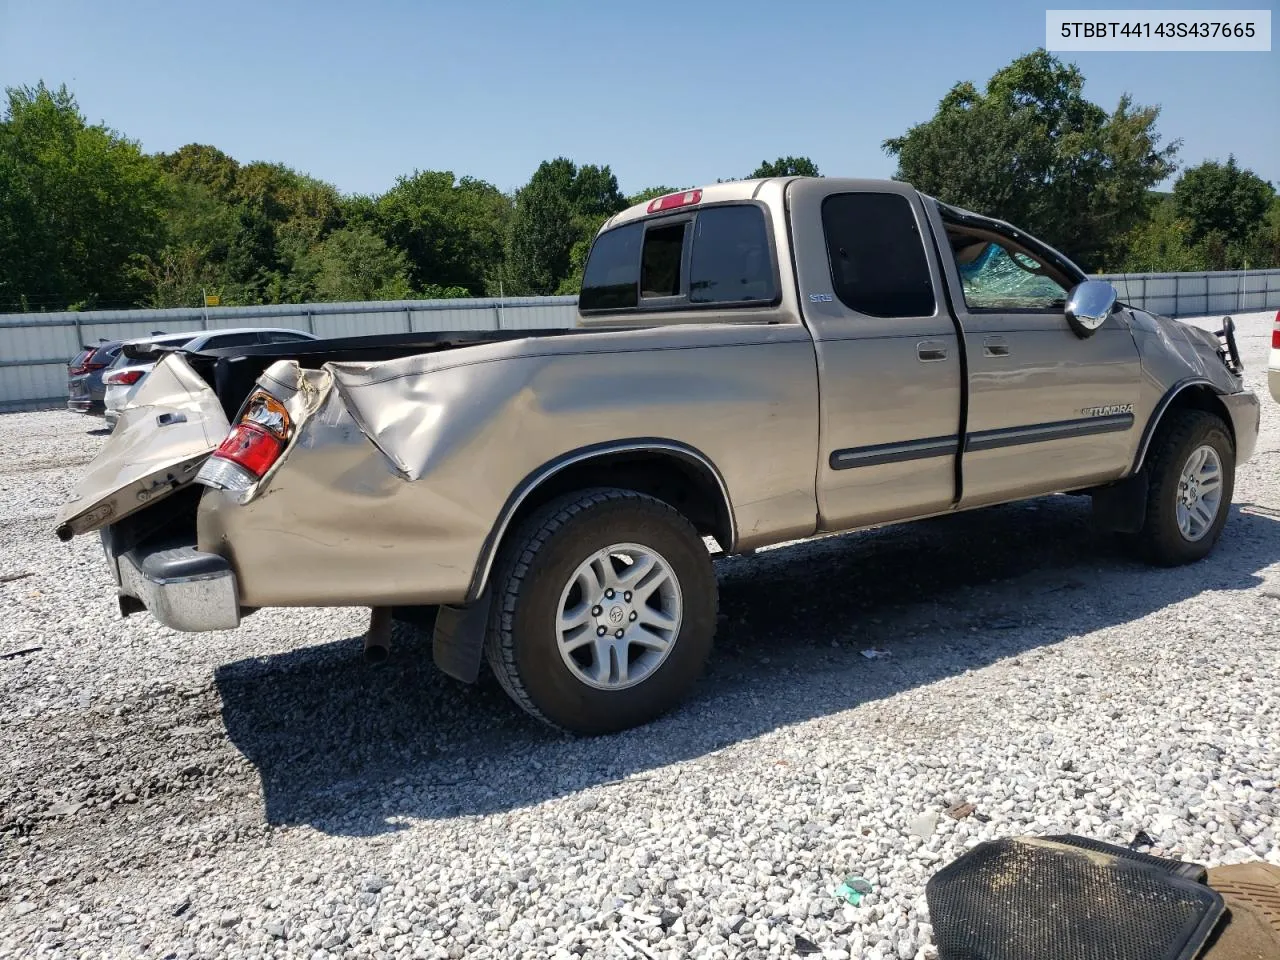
(377, 639)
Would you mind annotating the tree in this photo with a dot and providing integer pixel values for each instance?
(786, 167)
(451, 230)
(1161, 243)
(205, 165)
(79, 201)
(199, 230)
(354, 263)
(561, 205)
(648, 193)
(1032, 150)
(1222, 199)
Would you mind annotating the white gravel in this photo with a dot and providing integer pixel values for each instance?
(262, 793)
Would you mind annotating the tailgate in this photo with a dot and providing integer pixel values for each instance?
(170, 427)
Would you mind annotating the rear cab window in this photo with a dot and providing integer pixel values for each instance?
(716, 256)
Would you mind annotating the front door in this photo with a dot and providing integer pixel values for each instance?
(887, 350)
(1048, 410)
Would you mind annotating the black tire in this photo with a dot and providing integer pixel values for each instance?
(522, 645)
(1161, 542)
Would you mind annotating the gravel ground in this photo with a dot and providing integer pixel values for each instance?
(263, 793)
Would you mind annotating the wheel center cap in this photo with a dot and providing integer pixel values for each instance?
(616, 614)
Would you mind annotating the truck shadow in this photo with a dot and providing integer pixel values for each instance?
(349, 749)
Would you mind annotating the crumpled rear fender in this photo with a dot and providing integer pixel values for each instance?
(398, 471)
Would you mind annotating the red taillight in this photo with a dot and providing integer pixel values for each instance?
(251, 447)
(86, 362)
(123, 378)
(1275, 333)
(673, 200)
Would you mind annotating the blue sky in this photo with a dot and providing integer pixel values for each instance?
(666, 93)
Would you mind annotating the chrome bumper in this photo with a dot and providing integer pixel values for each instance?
(181, 587)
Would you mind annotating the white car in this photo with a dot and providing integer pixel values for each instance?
(122, 379)
(1273, 367)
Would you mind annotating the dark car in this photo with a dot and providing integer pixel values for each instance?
(85, 389)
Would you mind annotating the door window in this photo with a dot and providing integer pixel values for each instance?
(232, 340)
(997, 274)
(878, 263)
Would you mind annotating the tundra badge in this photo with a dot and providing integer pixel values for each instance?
(1108, 411)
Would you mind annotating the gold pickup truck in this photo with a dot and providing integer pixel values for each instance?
(754, 362)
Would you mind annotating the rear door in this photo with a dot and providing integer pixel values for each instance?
(1048, 410)
(172, 425)
(887, 349)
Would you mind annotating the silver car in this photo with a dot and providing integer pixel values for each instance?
(124, 375)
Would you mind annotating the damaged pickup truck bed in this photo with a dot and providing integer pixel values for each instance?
(755, 362)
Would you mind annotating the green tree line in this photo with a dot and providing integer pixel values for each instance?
(89, 220)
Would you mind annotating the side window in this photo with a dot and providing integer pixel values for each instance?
(611, 280)
(274, 336)
(232, 340)
(661, 259)
(1002, 276)
(730, 261)
(878, 263)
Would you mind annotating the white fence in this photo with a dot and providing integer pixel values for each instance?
(35, 347)
(1199, 294)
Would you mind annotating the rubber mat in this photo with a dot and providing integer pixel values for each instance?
(1027, 898)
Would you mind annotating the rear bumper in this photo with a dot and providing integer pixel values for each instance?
(181, 587)
(1273, 382)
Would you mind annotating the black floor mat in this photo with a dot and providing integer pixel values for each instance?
(1068, 899)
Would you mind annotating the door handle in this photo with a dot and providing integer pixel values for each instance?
(995, 347)
(931, 351)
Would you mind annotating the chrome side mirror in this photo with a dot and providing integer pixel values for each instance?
(1089, 305)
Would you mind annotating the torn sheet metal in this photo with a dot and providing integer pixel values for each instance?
(171, 426)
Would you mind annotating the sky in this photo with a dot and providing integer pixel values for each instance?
(666, 93)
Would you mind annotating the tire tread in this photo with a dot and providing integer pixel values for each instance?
(517, 561)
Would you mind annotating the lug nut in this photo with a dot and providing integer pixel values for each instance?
(627, 596)
(596, 611)
(601, 631)
(608, 594)
(618, 633)
(634, 615)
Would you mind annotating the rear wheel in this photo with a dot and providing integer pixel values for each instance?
(604, 611)
(1192, 470)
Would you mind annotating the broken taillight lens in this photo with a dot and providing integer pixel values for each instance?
(251, 448)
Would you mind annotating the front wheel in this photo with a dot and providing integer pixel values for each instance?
(1192, 467)
(604, 611)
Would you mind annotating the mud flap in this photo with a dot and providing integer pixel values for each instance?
(457, 646)
(1122, 507)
